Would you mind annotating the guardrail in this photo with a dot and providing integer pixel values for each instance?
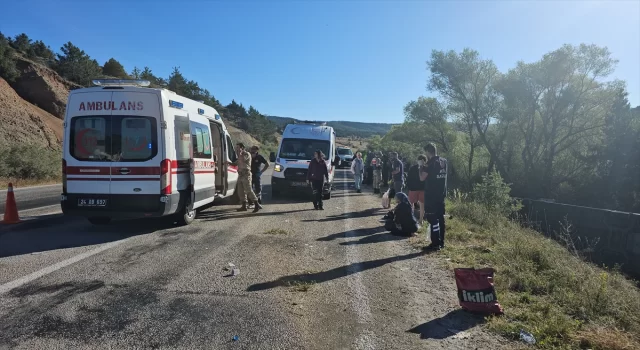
(617, 233)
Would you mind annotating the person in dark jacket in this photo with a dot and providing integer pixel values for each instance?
(401, 221)
(416, 186)
(317, 174)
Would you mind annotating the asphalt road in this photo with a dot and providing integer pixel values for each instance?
(33, 197)
(307, 279)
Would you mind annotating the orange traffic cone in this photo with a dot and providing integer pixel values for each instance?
(10, 209)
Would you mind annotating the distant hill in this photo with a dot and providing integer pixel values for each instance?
(343, 128)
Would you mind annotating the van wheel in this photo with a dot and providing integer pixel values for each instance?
(275, 193)
(326, 195)
(235, 199)
(186, 217)
(99, 221)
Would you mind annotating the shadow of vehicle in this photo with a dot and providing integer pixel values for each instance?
(71, 236)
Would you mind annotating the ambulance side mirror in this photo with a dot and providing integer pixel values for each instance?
(272, 157)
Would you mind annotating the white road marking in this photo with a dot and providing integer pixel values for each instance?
(360, 300)
(47, 270)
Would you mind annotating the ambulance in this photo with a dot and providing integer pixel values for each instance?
(297, 146)
(131, 151)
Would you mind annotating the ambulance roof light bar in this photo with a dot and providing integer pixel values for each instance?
(310, 122)
(121, 82)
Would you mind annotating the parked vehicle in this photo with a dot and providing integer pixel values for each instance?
(299, 142)
(131, 152)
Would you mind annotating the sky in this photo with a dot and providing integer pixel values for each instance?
(325, 60)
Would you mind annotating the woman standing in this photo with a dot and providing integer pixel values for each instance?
(357, 169)
(317, 174)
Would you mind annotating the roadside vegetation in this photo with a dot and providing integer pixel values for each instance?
(546, 288)
(29, 165)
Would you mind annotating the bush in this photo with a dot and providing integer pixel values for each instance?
(27, 162)
(493, 193)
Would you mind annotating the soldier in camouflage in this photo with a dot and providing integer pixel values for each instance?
(376, 164)
(244, 178)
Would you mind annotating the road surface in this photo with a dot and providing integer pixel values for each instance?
(33, 197)
(308, 279)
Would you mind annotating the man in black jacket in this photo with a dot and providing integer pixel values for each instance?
(435, 176)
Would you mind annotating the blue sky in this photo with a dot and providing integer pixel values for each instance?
(325, 60)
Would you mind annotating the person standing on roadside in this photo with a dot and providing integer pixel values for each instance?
(244, 178)
(256, 160)
(316, 175)
(434, 173)
(357, 169)
(416, 186)
(397, 172)
(376, 164)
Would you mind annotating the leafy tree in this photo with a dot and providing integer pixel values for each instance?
(75, 65)
(114, 68)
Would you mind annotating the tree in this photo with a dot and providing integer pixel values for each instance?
(75, 65)
(429, 112)
(43, 51)
(177, 83)
(113, 68)
(8, 69)
(466, 83)
(558, 106)
(21, 42)
(135, 73)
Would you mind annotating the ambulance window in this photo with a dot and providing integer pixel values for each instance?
(136, 139)
(231, 152)
(201, 141)
(89, 139)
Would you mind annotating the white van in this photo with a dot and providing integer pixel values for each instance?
(299, 142)
(131, 152)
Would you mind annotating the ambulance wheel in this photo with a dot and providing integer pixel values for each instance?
(326, 195)
(186, 217)
(275, 193)
(99, 221)
(235, 198)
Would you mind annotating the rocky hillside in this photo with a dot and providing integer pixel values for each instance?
(23, 123)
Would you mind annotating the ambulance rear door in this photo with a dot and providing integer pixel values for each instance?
(138, 150)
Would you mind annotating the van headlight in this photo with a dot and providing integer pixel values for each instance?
(277, 168)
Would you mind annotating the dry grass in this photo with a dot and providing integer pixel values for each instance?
(21, 183)
(564, 302)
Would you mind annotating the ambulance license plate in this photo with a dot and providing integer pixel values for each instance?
(92, 202)
(299, 183)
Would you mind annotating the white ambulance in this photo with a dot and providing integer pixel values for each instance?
(133, 152)
(297, 146)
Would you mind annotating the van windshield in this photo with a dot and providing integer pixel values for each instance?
(113, 138)
(345, 151)
(303, 149)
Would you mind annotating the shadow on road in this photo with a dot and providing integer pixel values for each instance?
(385, 237)
(41, 240)
(448, 325)
(352, 215)
(234, 214)
(332, 274)
(355, 233)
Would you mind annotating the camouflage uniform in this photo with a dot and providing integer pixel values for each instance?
(244, 180)
(376, 164)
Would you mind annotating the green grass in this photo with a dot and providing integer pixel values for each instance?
(565, 302)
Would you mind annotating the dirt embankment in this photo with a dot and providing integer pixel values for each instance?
(42, 87)
(23, 123)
